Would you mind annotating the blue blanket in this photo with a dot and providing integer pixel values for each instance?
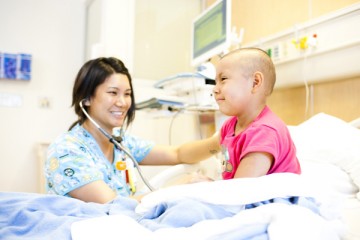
(39, 216)
(182, 213)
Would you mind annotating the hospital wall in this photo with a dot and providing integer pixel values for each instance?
(337, 96)
(53, 32)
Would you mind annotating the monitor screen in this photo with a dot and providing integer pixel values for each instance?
(211, 32)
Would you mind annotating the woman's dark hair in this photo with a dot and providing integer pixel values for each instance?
(90, 76)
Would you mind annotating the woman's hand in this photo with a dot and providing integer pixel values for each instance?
(138, 197)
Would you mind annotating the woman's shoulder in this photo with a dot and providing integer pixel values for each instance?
(138, 147)
(132, 141)
(74, 142)
(75, 136)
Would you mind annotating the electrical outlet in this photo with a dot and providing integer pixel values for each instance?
(276, 52)
(44, 102)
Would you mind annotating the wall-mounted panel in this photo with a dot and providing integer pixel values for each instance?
(326, 48)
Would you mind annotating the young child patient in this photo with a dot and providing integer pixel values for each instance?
(254, 141)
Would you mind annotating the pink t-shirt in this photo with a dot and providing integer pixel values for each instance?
(267, 133)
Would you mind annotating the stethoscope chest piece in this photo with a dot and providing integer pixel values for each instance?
(117, 134)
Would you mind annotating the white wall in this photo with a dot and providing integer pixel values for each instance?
(53, 32)
(163, 37)
(110, 30)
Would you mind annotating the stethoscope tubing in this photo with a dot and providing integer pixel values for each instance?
(118, 145)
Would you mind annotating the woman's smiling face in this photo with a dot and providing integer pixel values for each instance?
(111, 101)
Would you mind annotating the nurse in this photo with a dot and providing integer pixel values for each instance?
(82, 163)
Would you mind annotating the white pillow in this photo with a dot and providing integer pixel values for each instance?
(327, 175)
(327, 139)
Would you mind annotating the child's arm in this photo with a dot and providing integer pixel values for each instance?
(254, 165)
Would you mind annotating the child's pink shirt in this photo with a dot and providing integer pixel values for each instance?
(267, 133)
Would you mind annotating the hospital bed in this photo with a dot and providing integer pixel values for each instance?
(321, 203)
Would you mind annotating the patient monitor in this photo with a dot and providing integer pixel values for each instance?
(211, 32)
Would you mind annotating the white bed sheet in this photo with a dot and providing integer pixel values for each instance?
(329, 153)
(286, 221)
(351, 217)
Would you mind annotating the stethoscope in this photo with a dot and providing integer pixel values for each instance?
(116, 140)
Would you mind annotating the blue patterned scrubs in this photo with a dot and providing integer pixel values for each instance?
(75, 159)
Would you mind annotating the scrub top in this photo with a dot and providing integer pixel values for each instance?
(75, 159)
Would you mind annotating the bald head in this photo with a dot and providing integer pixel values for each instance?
(252, 60)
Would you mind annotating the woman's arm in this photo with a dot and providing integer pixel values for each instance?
(191, 152)
(96, 191)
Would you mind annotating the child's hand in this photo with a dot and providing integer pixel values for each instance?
(198, 177)
(193, 177)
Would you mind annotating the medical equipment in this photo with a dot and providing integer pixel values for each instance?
(211, 32)
(116, 140)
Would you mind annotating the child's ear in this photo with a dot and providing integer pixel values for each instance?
(257, 80)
